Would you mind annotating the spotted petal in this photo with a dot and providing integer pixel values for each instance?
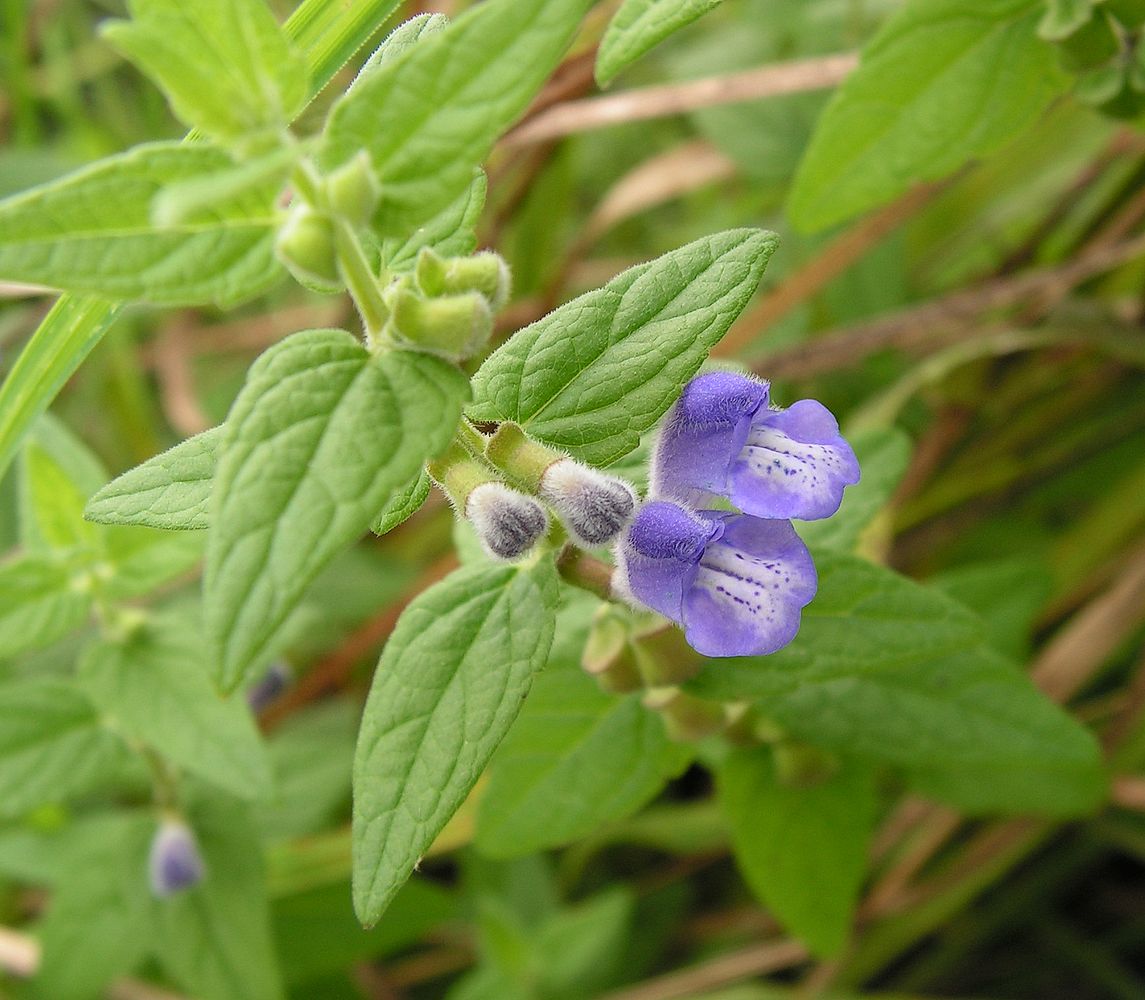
(794, 463)
(752, 583)
(702, 435)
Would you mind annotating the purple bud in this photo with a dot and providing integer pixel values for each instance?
(508, 523)
(736, 583)
(721, 439)
(175, 863)
(593, 507)
(270, 686)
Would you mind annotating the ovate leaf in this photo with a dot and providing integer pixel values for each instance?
(155, 688)
(171, 490)
(52, 746)
(451, 232)
(94, 231)
(431, 114)
(42, 597)
(98, 925)
(576, 759)
(225, 65)
(943, 82)
(319, 439)
(802, 847)
(448, 686)
(638, 26)
(888, 670)
(214, 939)
(403, 504)
(593, 375)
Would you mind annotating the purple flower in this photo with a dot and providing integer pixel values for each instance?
(736, 583)
(175, 862)
(721, 439)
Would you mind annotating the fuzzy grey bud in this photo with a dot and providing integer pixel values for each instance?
(507, 523)
(594, 507)
(174, 863)
(270, 686)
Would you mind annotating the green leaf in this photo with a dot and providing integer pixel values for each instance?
(93, 231)
(801, 847)
(883, 454)
(319, 439)
(155, 688)
(943, 82)
(576, 759)
(214, 939)
(403, 504)
(98, 923)
(57, 472)
(430, 115)
(171, 490)
(405, 36)
(593, 375)
(452, 232)
(41, 598)
(329, 32)
(447, 688)
(225, 65)
(640, 25)
(888, 670)
(52, 746)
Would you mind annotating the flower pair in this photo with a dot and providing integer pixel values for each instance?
(735, 581)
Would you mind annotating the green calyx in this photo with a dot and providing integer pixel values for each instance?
(307, 246)
(452, 326)
(485, 273)
(352, 191)
(521, 458)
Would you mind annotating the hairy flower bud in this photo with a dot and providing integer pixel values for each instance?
(270, 686)
(484, 272)
(353, 190)
(594, 507)
(507, 523)
(174, 863)
(455, 326)
(306, 245)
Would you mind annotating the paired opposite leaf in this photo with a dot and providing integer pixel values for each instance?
(575, 760)
(94, 231)
(943, 82)
(801, 847)
(40, 601)
(431, 114)
(403, 504)
(225, 65)
(447, 688)
(52, 746)
(888, 670)
(594, 374)
(171, 490)
(640, 25)
(155, 687)
(320, 438)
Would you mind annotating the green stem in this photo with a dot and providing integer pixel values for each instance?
(364, 287)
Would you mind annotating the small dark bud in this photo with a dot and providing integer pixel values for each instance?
(270, 686)
(507, 523)
(594, 507)
(175, 863)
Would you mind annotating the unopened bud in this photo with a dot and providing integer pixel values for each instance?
(593, 507)
(174, 863)
(507, 523)
(455, 326)
(306, 245)
(686, 717)
(485, 272)
(608, 655)
(353, 190)
(270, 686)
